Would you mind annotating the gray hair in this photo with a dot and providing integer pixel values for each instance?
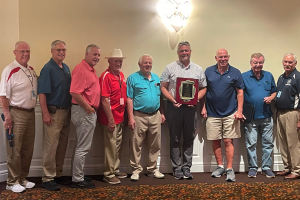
(88, 48)
(291, 54)
(183, 43)
(257, 55)
(142, 56)
(20, 42)
(55, 42)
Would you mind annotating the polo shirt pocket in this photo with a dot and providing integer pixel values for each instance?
(267, 86)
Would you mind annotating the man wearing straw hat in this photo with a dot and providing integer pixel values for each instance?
(85, 91)
(111, 115)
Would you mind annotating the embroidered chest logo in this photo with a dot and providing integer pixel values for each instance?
(288, 82)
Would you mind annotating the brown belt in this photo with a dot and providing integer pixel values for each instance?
(23, 109)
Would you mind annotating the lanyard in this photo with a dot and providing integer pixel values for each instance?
(119, 80)
(31, 81)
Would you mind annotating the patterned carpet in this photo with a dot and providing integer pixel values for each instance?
(256, 190)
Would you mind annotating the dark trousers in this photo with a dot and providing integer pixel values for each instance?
(181, 122)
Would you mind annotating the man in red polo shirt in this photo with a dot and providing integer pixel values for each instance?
(111, 115)
(85, 91)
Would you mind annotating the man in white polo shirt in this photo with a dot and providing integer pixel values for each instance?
(18, 89)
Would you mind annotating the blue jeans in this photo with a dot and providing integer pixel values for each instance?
(263, 128)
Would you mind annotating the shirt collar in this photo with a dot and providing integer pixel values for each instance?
(227, 71)
(87, 66)
(183, 66)
(262, 73)
(143, 77)
(21, 66)
(55, 64)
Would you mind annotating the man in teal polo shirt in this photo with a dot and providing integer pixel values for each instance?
(259, 91)
(144, 117)
(55, 99)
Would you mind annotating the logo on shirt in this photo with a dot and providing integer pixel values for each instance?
(228, 76)
(288, 82)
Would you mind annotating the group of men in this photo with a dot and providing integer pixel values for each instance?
(84, 99)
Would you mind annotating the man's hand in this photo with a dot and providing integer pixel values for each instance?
(47, 119)
(90, 110)
(267, 100)
(111, 125)
(176, 105)
(298, 125)
(8, 124)
(131, 123)
(239, 116)
(204, 113)
(163, 119)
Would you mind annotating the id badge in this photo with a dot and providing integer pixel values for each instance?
(278, 94)
(121, 101)
(33, 94)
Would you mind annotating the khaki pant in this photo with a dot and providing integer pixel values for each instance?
(219, 128)
(19, 157)
(289, 139)
(112, 146)
(150, 126)
(55, 142)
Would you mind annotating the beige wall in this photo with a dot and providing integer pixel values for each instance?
(9, 30)
(242, 27)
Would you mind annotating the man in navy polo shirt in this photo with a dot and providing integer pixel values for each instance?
(144, 117)
(55, 100)
(288, 120)
(260, 90)
(223, 109)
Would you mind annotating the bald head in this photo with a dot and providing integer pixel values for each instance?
(221, 51)
(222, 58)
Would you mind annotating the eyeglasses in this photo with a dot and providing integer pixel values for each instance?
(59, 50)
(255, 63)
(24, 51)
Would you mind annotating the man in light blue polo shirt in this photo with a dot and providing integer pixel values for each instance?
(224, 105)
(144, 117)
(260, 90)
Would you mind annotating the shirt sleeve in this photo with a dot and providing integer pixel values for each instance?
(44, 85)
(239, 83)
(130, 87)
(78, 82)
(165, 76)
(273, 86)
(105, 85)
(202, 79)
(5, 86)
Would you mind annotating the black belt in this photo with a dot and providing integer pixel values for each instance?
(79, 105)
(23, 109)
(60, 107)
(152, 113)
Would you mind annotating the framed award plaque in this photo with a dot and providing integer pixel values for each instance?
(187, 91)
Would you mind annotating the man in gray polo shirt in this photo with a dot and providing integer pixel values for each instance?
(181, 118)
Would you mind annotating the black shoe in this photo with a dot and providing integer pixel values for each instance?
(63, 180)
(178, 174)
(88, 179)
(187, 174)
(82, 184)
(51, 186)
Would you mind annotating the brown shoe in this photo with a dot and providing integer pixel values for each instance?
(113, 180)
(283, 173)
(291, 176)
(121, 175)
